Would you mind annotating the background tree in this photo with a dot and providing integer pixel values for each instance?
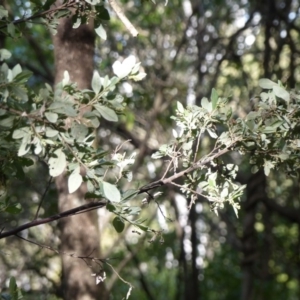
(74, 52)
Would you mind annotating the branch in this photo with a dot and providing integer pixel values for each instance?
(67, 213)
(42, 14)
(43, 197)
(85, 258)
(117, 9)
(95, 205)
(202, 162)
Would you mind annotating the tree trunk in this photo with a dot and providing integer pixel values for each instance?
(255, 189)
(74, 52)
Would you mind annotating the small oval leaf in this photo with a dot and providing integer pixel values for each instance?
(118, 224)
(101, 32)
(266, 83)
(96, 82)
(111, 192)
(74, 182)
(57, 164)
(281, 93)
(107, 113)
(51, 117)
(206, 104)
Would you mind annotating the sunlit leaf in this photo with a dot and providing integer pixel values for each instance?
(74, 182)
(96, 82)
(106, 112)
(281, 93)
(51, 117)
(180, 107)
(111, 192)
(4, 54)
(124, 69)
(206, 104)
(101, 32)
(58, 163)
(266, 83)
(214, 98)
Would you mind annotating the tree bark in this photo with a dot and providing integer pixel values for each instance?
(74, 52)
(255, 190)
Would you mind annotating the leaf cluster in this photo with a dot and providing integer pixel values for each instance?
(59, 129)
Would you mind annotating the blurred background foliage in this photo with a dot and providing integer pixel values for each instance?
(186, 48)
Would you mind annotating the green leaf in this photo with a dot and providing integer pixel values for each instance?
(268, 165)
(12, 286)
(4, 54)
(95, 195)
(214, 98)
(266, 83)
(134, 210)
(101, 32)
(111, 192)
(90, 186)
(106, 112)
(62, 13)
(58, 163)
(206, 104)
(11, 29)
(51, 117)
(63, 108)
(142, 227)
(19, 93)
(19, 133)
(118, 224)
(51, 132)
(25, 145)
(74, 182)
(138, 77)
(16, 70)
(281, 93)
(129, 194)
(180, 107)
(14, 209)
(79, 131)
(3, 12)
(23, 77)
(212, 133)
(7, 122)
(103, 13)
(96, 82)
(110, 207)
(254, 169)
(77, 23)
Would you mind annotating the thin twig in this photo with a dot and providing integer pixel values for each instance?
(43, 197)
(161, 211)
(85, 258)
(122, 279)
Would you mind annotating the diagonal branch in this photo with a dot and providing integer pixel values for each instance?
(202, 162)
(117, 9)
(99, 204)
(65, 214)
